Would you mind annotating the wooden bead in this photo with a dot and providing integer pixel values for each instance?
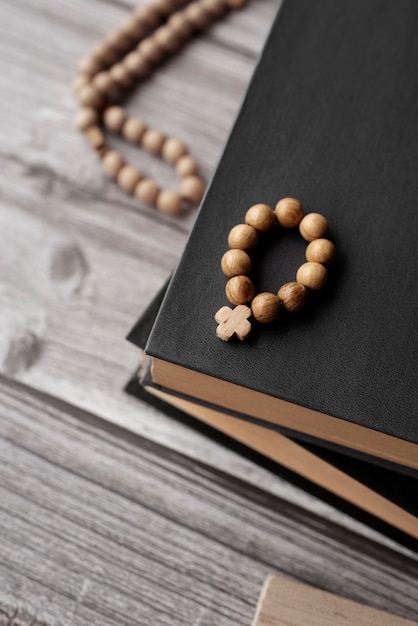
(235, 4)
(243, 237)
(313, 226)
(112, 163)
(132, 29)
(289, 212)
(151, 51)
(265, 307)
(186, 166)
(197, 16)
(114, 118)
(167, 39)
(236, 262)
(152, 141)
(121, 76)
(104, 55)
(133, 129)
(86, 117)
(147, 15)
(79, 82)
(321, 251)
(89, 66)
(180, 26)
(115, 40)
(294, 296)
(95, 137)
(164, 7)
(147, 191)
(260, 217)
(89, 96)
(169, 201)
(240, 290)
(104, 83)
(192, 188)
(136, 65)
(312, 275)
(215, 8)
(128, 177)
(173, 149)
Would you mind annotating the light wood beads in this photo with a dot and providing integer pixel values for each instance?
(126, 55)
(236, 264)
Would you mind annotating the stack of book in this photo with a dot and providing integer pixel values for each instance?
(329, 393)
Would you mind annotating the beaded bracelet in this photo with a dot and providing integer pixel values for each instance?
(236, 265)
(129, 54)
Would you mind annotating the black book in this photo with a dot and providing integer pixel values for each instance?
(380, 497)
(330, 118)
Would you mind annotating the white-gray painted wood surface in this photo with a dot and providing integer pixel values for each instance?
(96, 527)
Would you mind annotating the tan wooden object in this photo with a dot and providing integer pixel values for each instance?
(284, 602)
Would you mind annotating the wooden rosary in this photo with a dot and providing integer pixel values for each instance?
(129, 54)
(236, 265)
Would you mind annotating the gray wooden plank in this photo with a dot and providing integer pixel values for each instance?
(105, 528)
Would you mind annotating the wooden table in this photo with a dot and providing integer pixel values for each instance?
(112, 512)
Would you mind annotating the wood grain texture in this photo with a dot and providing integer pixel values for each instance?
(285, 602)
(106, 527)
(98, 526)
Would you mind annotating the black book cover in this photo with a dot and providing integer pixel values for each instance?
(330, 118)
(390, 484)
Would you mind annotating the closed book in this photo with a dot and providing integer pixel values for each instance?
(380, 497)
(330, 118)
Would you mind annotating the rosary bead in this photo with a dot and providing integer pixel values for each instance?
(115, 40)
(312, 275)
(79, 82)
(186, 166)
(112, 163)
(104, 83)
(180, 26)
(236, 262)
(192, 188)
(104, 55)
(86, 117)
(235, 4)
(151, 51)
(128, 177)
(90, 96)
(95, 137)
(243, 237)
(114, 118)
(147, 191)
(167, 39)
(89, 66)
(173, 149)
(294, 296)
(147, 15)
(215, 8)
(152, 141)
(121, 76)
(239, 290)
(289, 212)
(164, 7)
(133, 29)
(169, 201)
(313, 226)
(321, 251)
(197, 16)
(260, 217)
(136, 64)
(133, 129)
(266, 307)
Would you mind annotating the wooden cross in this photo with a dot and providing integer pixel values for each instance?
(233, 322)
